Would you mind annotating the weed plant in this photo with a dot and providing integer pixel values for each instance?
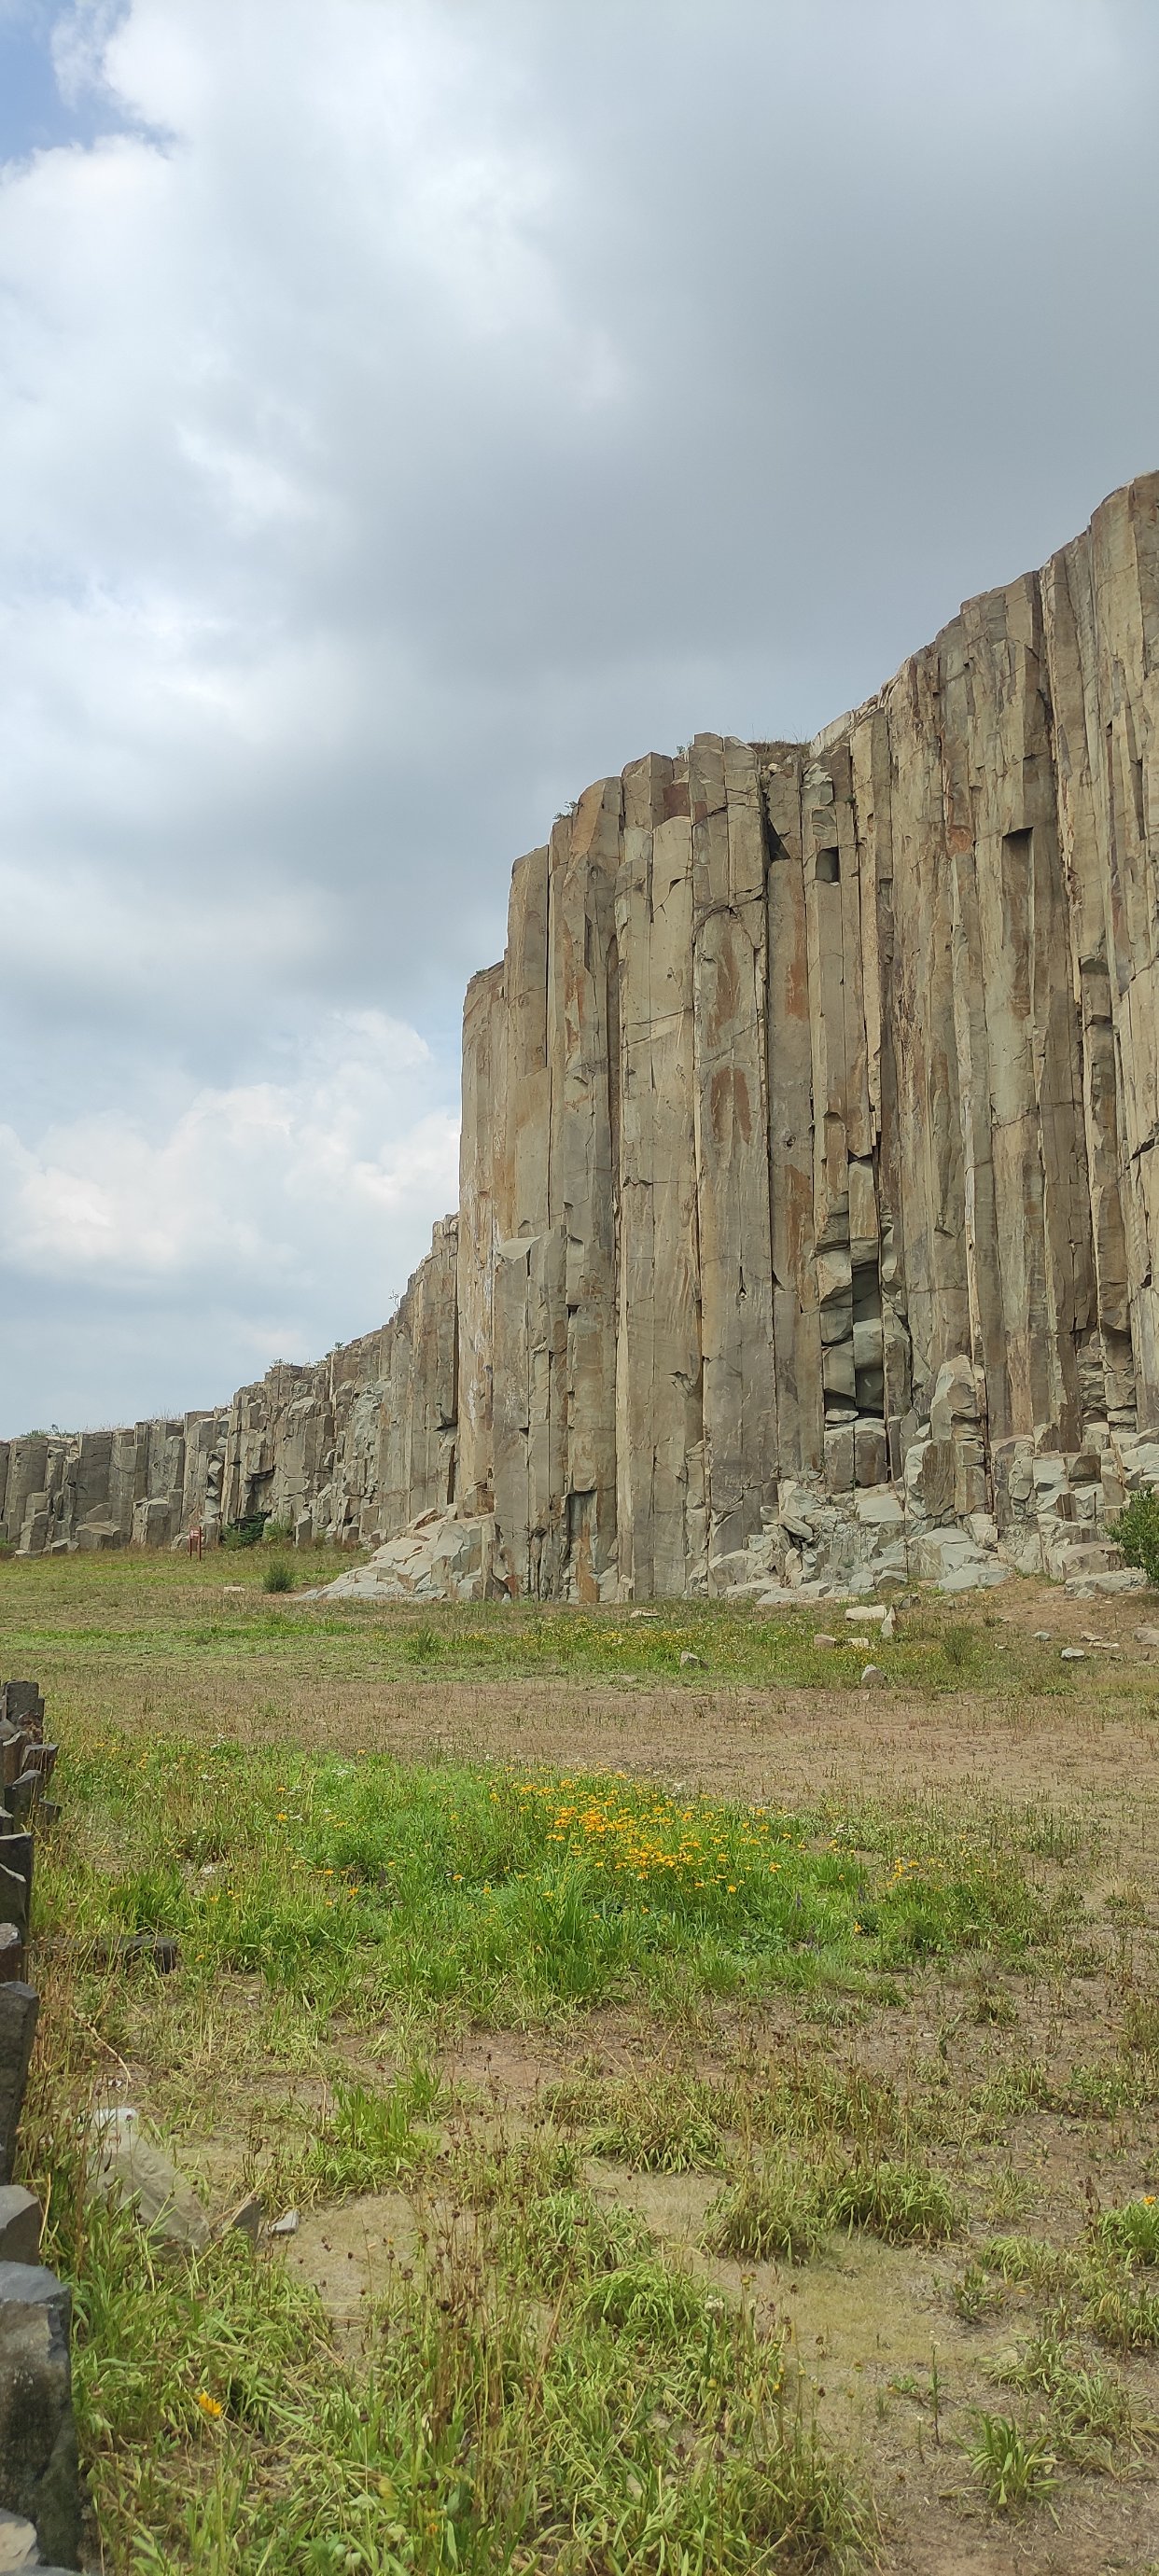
(791, 2204)
(1012, 2467)
(1091, 2414)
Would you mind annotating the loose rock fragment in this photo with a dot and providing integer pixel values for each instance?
(245, 2219)
(21, 2220)
(18, 2543)
(124, 2165)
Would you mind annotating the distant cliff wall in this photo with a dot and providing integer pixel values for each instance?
(349, 1448)
(810, 1140)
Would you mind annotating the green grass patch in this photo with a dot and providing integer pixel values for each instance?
(371, 1884)
(179, 1622)
(794, 2201)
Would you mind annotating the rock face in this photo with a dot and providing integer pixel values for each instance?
(108, 1489)
(809, 1205)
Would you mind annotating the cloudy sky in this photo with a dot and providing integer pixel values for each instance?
(410, 410)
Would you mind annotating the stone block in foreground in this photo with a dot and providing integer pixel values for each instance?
(39, 2477)
(19, 2007)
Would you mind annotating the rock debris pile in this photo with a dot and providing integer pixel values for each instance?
(809, 1197)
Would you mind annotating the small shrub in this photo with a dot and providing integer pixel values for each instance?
(959, 1648)
(570, 2235)
(666, 2126)
(902, 2204)
(779, 2209)
(521, 2175)
(993, 2004)
(1012, 2467)
(422, 1646)
(277, 1533)
(367, 2141)
(1122, 2311)
(976, 2296)
(278, 1576)
(1131, 2230)
(244, 1533)
(1091, 2411)
(648, 2301)
(1136, 1532)
(1027, 2258)
(1010, 2196)
(1141, 2026)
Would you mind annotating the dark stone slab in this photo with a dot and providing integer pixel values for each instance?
(13, 1894)
(21, 2220)
(136, 1949)
(23, 1703)
(14, 1743)
(18, 2010)
(21, 1795)
(11, 1952)
(17, 1855)
(38, 2462)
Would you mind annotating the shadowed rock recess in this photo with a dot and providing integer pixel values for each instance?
(808, 1230)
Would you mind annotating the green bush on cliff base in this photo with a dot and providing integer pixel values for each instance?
(1136, 1532)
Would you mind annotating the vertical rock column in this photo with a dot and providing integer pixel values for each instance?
(847, 1232)
(659, 1431)
(583, 1020)
(730, 977)
(1124, 542)
(530, 1331)
(1105, 1360)
(922, 1147)
(484, 1101)
(796, 1308)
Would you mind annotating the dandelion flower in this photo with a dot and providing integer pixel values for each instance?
(209, 2405)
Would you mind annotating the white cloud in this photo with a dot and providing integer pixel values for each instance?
(260, 1183)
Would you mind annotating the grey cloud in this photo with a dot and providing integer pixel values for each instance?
(455, 403)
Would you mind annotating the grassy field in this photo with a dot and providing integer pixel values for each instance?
(719, 2100)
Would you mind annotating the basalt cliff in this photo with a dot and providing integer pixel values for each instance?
(808, 1227)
